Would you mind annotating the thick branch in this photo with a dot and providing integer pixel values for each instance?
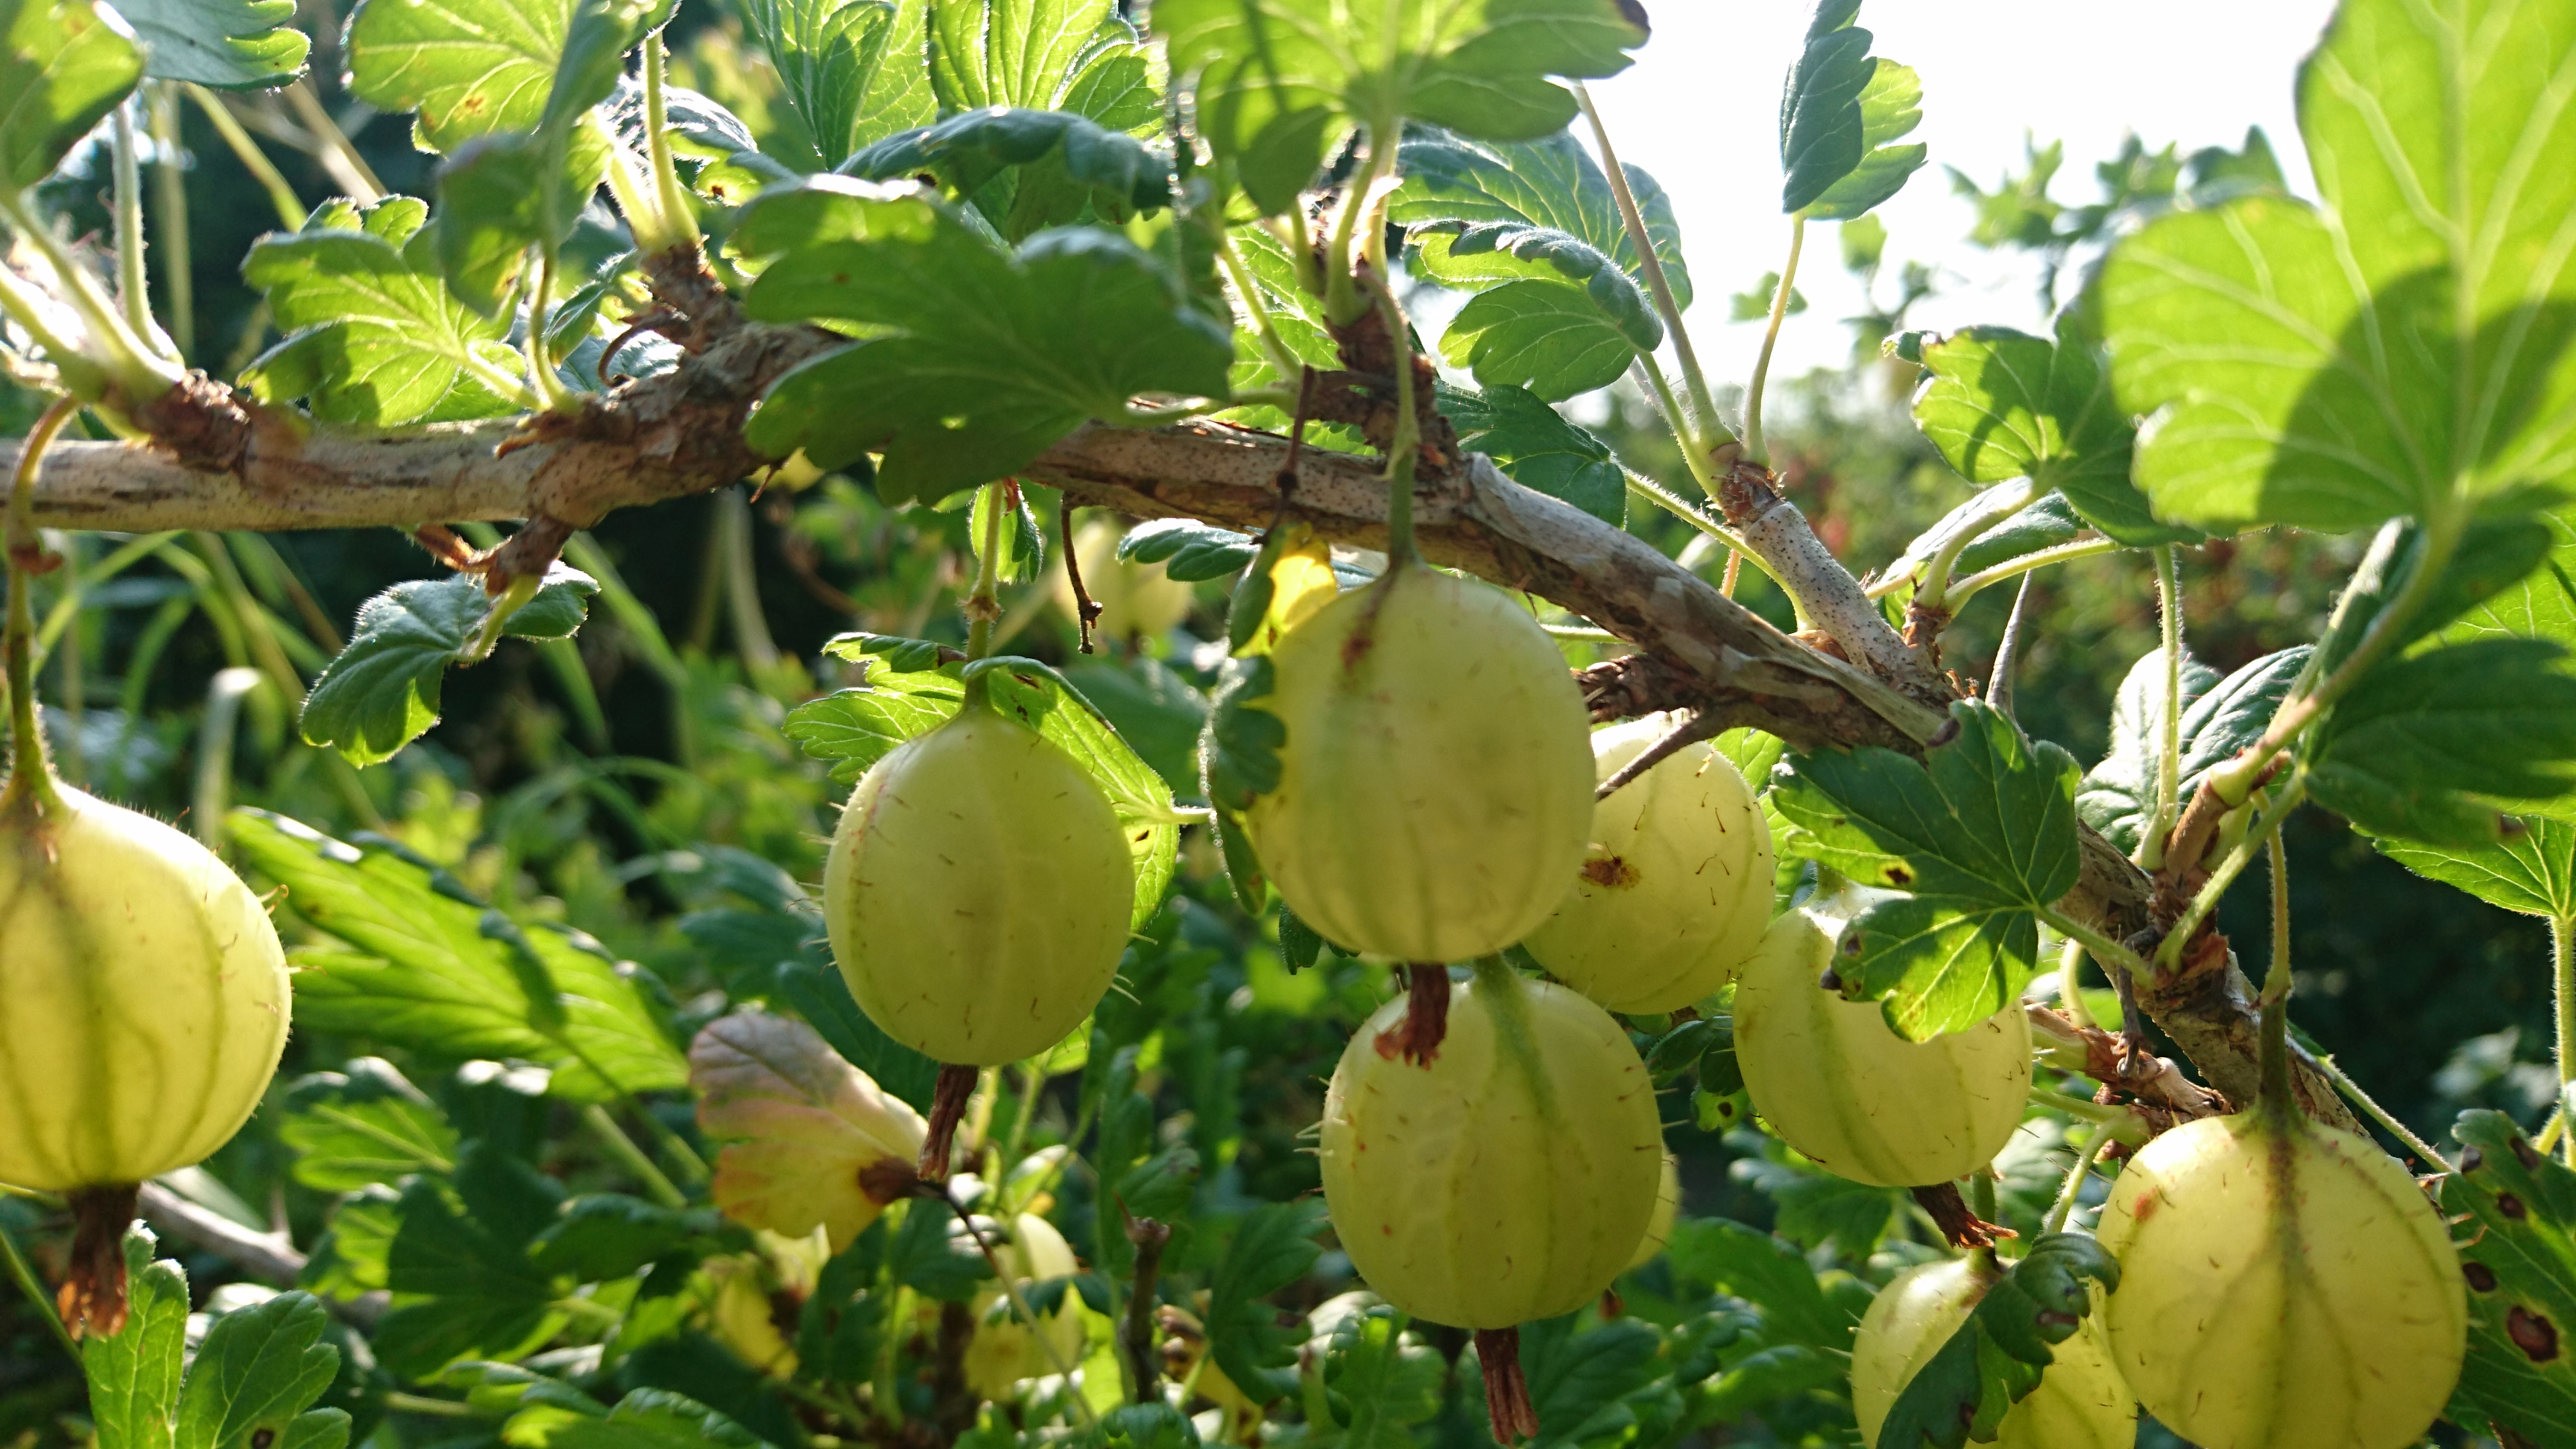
(680, 434)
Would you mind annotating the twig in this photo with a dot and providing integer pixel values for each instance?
(1086, 609)
(1148, 1236)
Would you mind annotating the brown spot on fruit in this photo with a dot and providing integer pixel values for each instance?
(2536, 1336)
(1611, 872)
(2147, 1206)
(2480, 1276)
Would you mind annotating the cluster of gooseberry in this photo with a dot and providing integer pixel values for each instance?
(1491, 1152)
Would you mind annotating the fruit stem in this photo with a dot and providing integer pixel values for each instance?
(2277, 1099)
(1507, 1400)
(2074, 1188)
(31, 780)
(2432, 1156)
(947, 1109)
(1981, 1194)
(1426, 1015)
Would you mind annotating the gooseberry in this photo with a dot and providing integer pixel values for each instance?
(2282, 1286)
(2081, 1401)
(1675, 887)
(1836, 1083)
(978, 891)
(1435, 788)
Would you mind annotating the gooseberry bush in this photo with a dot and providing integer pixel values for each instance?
(1326, 902)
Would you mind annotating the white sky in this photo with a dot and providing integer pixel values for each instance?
(1700, 110)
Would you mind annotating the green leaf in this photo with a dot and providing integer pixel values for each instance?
(605, 1236)
(2046, 523)
(226, 44)
(1539, 449)
(1018, 53)
(435, 969)
(461, 1267)
(1188, 550)
(2518, 1250)
(468, 68)
(855, 728)
(2531, 870)
(1840, 113)
(64, 64)
(1380, 1382)
(2405, 342)
(134, 1373)
(902, 656)
(1580, 1383)
(981, 358)
(1764, 1271)
(1998, 1355)
(1157, 712)
(1453, 185)
(1981, 832)
(2003, 404)
(254, 1376)
(1755, 302)
(373, 336)
(2434, 746)
(1891, 106)
(1544, 336)
(854, 71)
(1065, 168)
(366, 1125)
(643, 1419)
(2219, 719)
(932, 1254)
(1483, 216)
(1274, 1247)
(1279, 81)
(382, 692)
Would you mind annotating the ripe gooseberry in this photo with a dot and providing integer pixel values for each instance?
(1511, 1178)
(146, 1006)
(978, 890)
(2282, 1286)
(2081, 1401)
(1675, 888)
(1836, 1083)
(1435, 786)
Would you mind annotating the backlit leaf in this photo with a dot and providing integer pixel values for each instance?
(64, 64)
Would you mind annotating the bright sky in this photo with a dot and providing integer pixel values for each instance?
(1700, 110)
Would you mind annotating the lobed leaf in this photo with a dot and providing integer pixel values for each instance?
(2515, 1215)
(2219, 719)
(978, 358)
(1980, 834)
(64, 64)
(465, 68)
(226, 44)
(1279, 82)
(1064, 167)
(853, 71)
(1996, 1358)
(382, 692)
(1534, 444)
(2408, 341)
(366, 1125)
(134, 1374)
(1274, 1247)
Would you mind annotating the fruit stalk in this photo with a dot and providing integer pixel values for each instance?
(1507, 1400)
(31, 784)
(1144, 1364)
(947, 1108)
(1426, 1015)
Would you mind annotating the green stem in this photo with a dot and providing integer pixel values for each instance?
(1712, 432)
(623, 1148)
(2070, 983)
(2276, 1098)
(1673, 503)
(2206, 899)
(2110, 953)
(2093, 1112)
(2325, 1067)
(1981, 1194)
(1037, 1330)
(213, 793)
(132, 291)
(1283, 360)
(34, 1288)
(22, 304)
(115, 350)
(984, 605)
(1343, 300)
(31, 782)
(402, 1403)
(2234, 780)
(2074, 1188)
(675, 1149)
(337, 154)
(170, 201)
(1702, 467)
(1961, 590)
(2562, 958)
(290, 208)
(1933, 591)
(1403, 449)
(2151, 846)
(541, 366)
(678, 225)
(1754, 445)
